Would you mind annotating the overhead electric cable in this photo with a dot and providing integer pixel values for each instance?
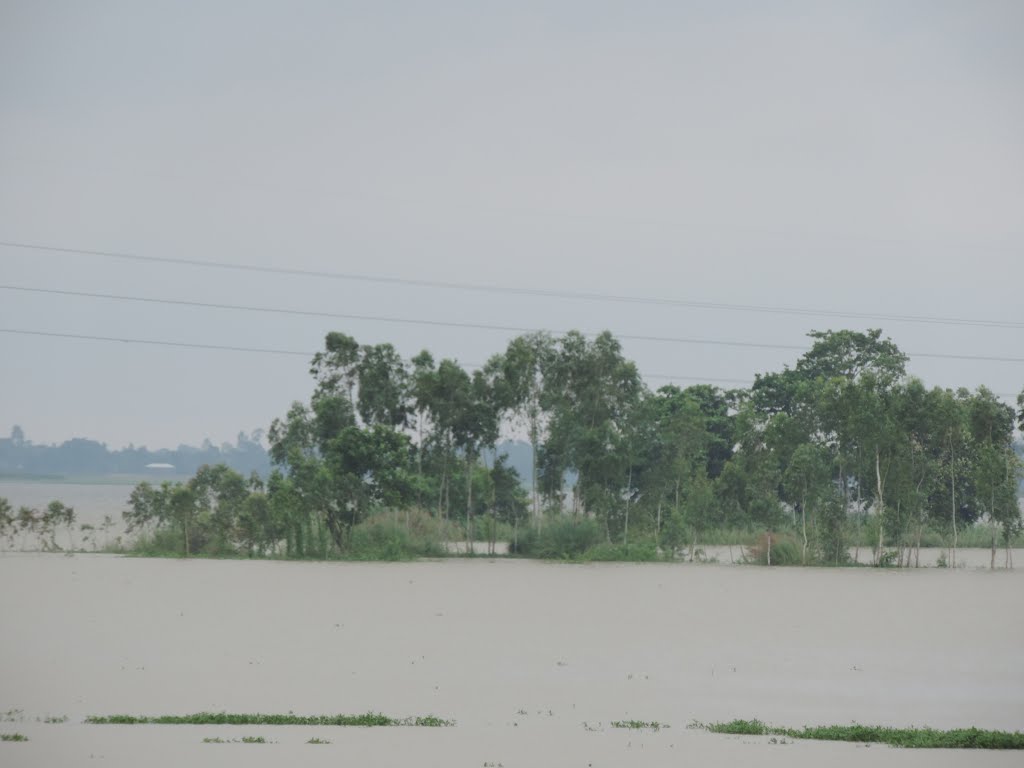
(221, 347)
(293, 352)
(475, 326)
(487, 288)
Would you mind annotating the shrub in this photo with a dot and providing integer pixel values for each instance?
(383, 537)
(641, 551)
(561, 538)
(785, 550)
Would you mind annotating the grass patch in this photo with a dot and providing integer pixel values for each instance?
(915, 738)
(227, 718)
(315, 740)
(243, 740)
(13, 737)
(640, 725)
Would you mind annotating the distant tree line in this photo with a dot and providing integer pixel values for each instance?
(841, 443)
(79, 456)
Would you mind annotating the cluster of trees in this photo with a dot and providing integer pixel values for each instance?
(42, 525)
(80, 456)
(842, 439)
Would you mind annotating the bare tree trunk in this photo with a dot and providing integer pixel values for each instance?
(952, 494)
(803, 514)
(625, 530)
(469, 504)
(769, 547)
(657, 530)
(533, 475)
(881, 505)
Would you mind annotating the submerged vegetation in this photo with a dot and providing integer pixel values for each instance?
(224, 718)
(393, 459)
(920, 738)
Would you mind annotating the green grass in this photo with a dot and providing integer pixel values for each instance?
(916, 738)
(653, 725)
(243, 740)
(13, 737)
(226, 718)
(315, 740)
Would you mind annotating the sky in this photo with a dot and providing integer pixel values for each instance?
(862, 157)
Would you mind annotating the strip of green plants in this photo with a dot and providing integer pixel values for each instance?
(13, 737)
(916, 738)
(227, 718)
(640, 725)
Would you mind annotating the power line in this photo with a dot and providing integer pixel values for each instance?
(219, 347)
(474, 326)
(386, 319)
(292, 352)
(264, 350)
(486, 288)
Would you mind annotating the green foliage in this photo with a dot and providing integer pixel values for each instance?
(961, 738)
(395, 536)
(785, 550)
(368, 719)
(561, 538)
(653, 725)
(315, 740)
(637, 551)
(840, 447)
(13, 737)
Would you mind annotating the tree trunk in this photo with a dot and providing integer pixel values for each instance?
(469, 504)
(533, 474)
(952, 496)
(625, 530)
(769, 547)
(803, 515)
(879, 485)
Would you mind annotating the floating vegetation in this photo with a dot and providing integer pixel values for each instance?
(13, 737)
(367, 719)
(243, 740)
(915, 738)
(315, 740)
(639, 725)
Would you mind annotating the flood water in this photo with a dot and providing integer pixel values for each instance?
(533, 660)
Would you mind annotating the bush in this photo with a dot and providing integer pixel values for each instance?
(163, 542)
(641, 551)
(561, 538)
(383, 537)
(785, 550)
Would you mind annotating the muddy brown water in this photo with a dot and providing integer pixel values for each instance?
(533, 660)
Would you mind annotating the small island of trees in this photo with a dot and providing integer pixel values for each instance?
(392, 458)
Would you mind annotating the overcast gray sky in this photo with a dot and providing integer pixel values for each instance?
(855, 156)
